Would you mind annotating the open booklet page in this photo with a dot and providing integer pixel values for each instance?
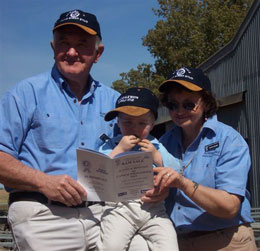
(125, 177)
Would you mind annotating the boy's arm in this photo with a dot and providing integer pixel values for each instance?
(147, 146)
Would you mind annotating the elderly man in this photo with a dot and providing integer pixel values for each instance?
(44, 119)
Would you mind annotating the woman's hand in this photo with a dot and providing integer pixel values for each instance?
(167, 177)
(154, 195)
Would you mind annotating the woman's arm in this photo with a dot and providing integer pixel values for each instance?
(216, 202)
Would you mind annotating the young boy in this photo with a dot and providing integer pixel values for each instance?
(136, 110)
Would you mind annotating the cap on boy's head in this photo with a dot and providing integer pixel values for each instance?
(191, 78)
(86, 21)
(135, 102)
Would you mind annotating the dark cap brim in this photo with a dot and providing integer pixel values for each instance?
(192, 87)
(129, 110)
(87, 29)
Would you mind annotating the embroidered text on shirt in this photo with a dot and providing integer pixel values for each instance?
(211, 146)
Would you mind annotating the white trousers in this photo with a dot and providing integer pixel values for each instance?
(121, 223)
(54, 228)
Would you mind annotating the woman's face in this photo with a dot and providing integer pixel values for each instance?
(186, 109)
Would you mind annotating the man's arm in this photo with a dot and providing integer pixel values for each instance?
(61, 188)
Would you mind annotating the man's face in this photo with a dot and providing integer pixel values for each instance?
(75, 52)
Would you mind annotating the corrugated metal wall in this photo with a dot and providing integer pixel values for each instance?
(234, 69)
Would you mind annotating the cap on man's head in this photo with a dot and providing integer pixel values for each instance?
(191, 78)
(86, 21)
(135, 102)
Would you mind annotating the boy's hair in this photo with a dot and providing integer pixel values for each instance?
(135, 102)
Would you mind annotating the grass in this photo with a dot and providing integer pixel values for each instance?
(3, 196)
(3, 199)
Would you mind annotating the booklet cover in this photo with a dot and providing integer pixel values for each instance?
(127, 176)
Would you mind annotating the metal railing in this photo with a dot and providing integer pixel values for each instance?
(255, 212)
(6, 239)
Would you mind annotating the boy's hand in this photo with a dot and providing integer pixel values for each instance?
(127, 143)
(147, 146)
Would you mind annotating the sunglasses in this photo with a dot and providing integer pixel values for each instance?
(173, 106)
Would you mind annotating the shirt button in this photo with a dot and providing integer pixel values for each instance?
(81, 122)
(82, 143)
(179, 207)
(75, 101)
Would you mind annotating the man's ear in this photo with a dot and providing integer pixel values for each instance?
(99, 52)
(52, 45)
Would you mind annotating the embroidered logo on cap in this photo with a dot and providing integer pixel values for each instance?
(74, 14)
(129, 98)
(182, 73)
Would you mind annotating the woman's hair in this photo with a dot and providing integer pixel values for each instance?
(207, 97)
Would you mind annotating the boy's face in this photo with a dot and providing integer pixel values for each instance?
(138, 126)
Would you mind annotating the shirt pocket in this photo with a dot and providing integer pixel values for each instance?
(51, 131)
(206, 171)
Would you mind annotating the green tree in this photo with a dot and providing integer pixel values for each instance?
(144, 76)
(187, 33)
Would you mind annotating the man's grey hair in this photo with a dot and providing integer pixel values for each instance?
(98, 42)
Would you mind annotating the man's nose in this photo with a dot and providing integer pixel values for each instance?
(72, 51)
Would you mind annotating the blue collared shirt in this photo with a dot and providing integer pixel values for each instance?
(219, 159)
(168, 159)
(42, 124)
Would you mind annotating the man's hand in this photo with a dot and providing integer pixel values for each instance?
(62, 188)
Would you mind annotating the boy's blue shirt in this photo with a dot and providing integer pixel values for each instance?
(168, 159)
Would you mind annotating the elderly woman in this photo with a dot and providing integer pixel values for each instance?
(208, 201)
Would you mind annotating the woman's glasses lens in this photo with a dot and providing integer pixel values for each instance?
(189, 106)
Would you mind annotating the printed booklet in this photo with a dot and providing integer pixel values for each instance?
(127, 176)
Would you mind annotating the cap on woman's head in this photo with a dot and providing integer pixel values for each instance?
(135, 102)
(191, 78)
(84, 20)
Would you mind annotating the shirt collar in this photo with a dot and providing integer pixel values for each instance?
(57, 76)
(211, 123)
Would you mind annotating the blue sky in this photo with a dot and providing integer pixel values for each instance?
(26, 31)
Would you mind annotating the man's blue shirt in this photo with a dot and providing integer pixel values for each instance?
(42, 122)
(220, 159)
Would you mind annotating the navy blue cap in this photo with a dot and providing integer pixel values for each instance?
(84, 20)
(191, 78)
(135, 102)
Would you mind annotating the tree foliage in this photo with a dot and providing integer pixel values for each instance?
(187, 33)
(144, 76)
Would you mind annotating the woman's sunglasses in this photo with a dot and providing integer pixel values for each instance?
(173, 106)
